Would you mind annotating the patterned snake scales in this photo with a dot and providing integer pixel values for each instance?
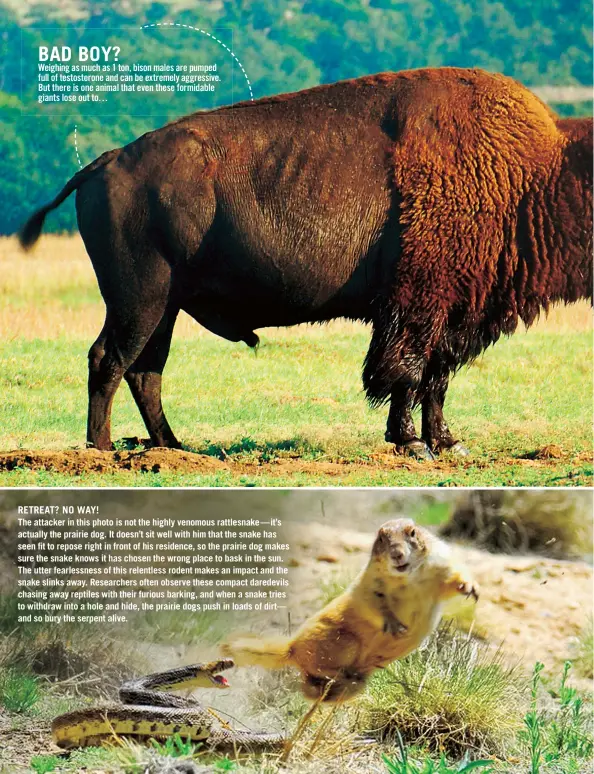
(147, 712)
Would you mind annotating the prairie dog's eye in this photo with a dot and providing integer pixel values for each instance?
(413, 532)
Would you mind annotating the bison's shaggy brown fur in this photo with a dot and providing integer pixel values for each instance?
(441, 205)
(495, 201)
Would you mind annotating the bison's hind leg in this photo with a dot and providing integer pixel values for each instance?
(105, 376)
(144, 379)
(114, 350)
(127, 329)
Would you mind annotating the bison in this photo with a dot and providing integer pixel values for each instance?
(441, 205)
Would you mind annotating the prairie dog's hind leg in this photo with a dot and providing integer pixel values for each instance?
(343, 687)
(326, 656)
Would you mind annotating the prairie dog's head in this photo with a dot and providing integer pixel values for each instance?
(401, 545)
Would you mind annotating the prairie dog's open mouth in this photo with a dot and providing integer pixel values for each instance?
(402, 567)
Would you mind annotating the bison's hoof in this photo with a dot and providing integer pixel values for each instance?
(459, 450)
(417, 449)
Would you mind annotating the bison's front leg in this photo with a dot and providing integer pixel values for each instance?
(435, 431)
(401, 429)
(393, 370)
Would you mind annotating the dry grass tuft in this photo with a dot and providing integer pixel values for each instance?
(453, 695)
(583, 660)
(74, 655)
(52, 291)
(555, 524)
(324, 734)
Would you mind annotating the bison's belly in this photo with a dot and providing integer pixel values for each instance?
(272, 290)
(288, 255)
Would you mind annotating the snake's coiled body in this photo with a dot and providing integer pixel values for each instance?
(147, 712)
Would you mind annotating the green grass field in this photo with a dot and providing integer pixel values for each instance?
(295, 413)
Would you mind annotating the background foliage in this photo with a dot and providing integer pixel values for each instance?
(284, 45)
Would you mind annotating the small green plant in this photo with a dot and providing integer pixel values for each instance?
(18, 692)
(533, 721)
(562, 736)
(567, 732)
(405, 764)
(175, 747)
(225, 764)
(129, 444)
(43, 764)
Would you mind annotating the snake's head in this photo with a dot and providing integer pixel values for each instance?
(212, 670)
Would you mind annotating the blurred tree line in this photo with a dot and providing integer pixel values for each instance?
(284, 45)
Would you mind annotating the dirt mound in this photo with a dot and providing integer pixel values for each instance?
(79, 461)
(549, 452)
(84, 461)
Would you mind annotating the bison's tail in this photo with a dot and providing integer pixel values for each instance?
(29, 233)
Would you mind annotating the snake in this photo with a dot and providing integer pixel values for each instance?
(147, 711)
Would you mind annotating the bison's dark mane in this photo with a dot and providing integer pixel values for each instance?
(545, 258)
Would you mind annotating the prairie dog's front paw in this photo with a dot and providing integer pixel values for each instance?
(469, 589)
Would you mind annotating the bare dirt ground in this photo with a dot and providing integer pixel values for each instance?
(78, 462)
(533, 607)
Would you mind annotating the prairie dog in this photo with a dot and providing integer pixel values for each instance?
(385, 614)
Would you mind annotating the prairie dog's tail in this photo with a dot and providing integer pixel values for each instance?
(267, 652)
(29, 233)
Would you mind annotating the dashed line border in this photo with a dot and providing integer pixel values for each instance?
(204, 32)
(187, 27)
